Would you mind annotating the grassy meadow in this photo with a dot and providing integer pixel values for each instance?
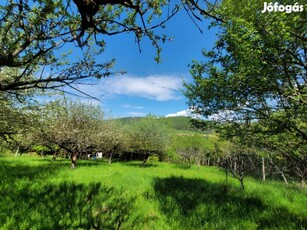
(39, 194)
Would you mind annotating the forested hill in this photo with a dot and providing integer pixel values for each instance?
(177, 123)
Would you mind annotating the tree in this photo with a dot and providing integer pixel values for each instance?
(149, 136)
(238, 161)
(32, 34)
(254, 81)
(16, 119)
(190, 148)
(112, 139)
(74, 127)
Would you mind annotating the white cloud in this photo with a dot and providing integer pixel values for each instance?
(154, 87)
(221, 116)
(160, 87)
(183, 113)
(131, 107)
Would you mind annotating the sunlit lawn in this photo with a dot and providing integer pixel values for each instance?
(36, 193)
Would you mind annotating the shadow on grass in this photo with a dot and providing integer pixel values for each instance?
(28, 202)
(198, 204)
(11, 171)
(182, 166)
(64, 206)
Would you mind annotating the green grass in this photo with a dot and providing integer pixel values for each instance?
(40, 194)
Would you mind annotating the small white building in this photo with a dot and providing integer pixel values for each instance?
(99, 155)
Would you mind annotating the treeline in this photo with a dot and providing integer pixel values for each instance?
(179, 123)
(236, 159)
(76, 130)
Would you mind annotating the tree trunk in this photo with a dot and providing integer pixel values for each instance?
(54, 156)
(241, 168)
(301, 174)
(145, 159)
(110, 157)
(279, 170)
(112, 153)
(73, 161)
(241, 182)
(263, 168)
(284, 177)
(198, 165)
(17, 151)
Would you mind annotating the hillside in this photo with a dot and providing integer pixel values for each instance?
(177, 123)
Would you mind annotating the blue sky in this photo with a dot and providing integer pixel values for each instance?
(148, 87)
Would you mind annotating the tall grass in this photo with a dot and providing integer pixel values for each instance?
(40, 194)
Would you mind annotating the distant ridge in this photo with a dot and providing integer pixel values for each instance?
(177, 123)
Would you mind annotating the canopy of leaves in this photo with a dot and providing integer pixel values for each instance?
(257, 70)
(254, 81)
(72, 126)
(149, 135)
(33, 32)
